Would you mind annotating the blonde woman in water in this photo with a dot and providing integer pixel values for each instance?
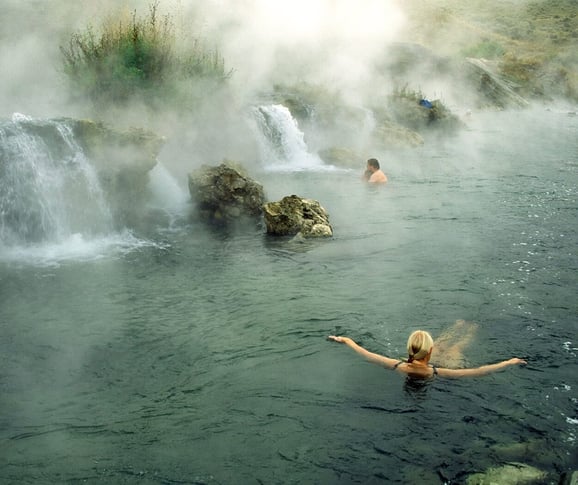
(420, 346)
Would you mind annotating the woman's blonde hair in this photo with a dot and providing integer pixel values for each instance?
(419, 344)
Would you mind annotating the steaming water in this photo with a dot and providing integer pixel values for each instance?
(195, 356)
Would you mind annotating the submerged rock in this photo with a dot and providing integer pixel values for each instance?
(508, 474)
(520, 451)
(225, 193)
(294, 215)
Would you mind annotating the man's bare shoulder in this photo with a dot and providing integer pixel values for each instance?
(378, 178)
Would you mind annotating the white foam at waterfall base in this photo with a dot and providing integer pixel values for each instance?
(75, 248)
(282, 144)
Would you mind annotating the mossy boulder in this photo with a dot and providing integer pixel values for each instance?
(225, 193)
(297, 216)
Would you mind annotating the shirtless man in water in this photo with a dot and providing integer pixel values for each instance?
(373, 174)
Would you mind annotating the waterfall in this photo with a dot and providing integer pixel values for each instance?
(49, 191)
(281, 142)
(166, 193)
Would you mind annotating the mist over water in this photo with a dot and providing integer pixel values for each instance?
(171, 352)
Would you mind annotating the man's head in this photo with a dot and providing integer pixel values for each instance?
(373, 164)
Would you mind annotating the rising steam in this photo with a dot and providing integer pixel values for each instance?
(327, 41)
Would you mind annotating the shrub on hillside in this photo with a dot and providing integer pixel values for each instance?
(411, 109)
(139, 58)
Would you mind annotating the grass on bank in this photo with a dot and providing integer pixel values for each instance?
(140, 58)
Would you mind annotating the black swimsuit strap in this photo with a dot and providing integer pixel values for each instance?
(435, 369)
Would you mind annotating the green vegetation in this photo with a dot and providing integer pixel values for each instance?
(138, 58)
(487, 49)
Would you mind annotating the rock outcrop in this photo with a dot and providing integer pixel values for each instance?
(492, 89)
(123, 160)
(225, 193)
(342, 157)
(115, 149)
(297, 216)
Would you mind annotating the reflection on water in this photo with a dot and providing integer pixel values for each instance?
(202, 357)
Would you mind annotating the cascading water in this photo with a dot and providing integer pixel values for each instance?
(281, 142)
(49, 191)
(166, 194)
(52, 206)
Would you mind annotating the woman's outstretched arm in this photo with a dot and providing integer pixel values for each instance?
(479, 371)
(370, 356)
